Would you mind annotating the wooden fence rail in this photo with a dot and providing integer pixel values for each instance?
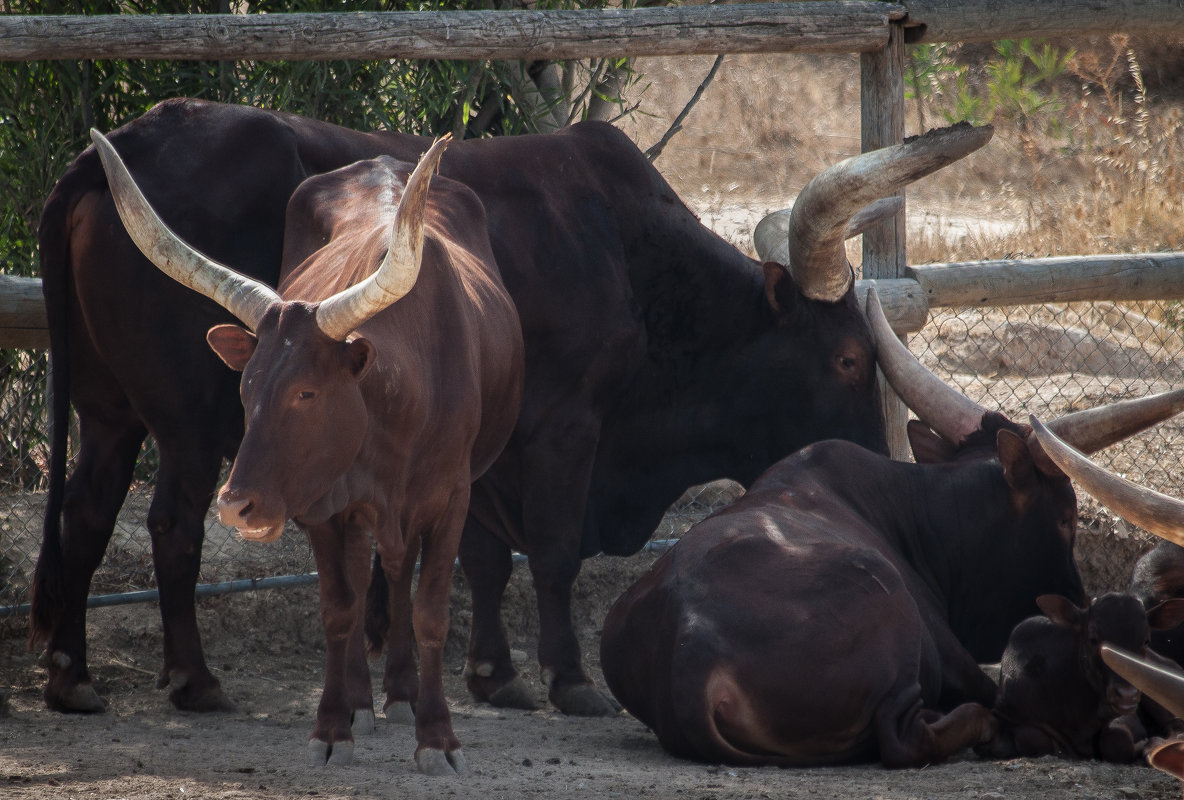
(848, 26)
(906, 301)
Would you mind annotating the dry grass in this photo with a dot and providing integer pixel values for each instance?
(1103, 174)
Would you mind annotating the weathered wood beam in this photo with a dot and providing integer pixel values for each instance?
(841, 26)
(1063, 279)
(906, 301)
(984, 20)
(22, 313)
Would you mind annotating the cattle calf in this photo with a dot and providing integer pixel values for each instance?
(378, 383)
(1057, 696)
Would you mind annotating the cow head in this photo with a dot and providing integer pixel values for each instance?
(1025, 498)
(828, 367)
(1118, 620)
(306, 416)
(302, 366)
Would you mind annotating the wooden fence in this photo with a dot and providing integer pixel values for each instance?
(878, 31)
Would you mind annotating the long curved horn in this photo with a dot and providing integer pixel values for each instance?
(1094, 428)
(244, 297)
(770, 238)
(941, 407)
(1147, 508)
(339, 315)
(825, 206)
(1162, 684)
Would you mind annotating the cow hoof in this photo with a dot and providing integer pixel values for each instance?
(583, 700)
(362, 723)
(78, 699)
(399, 713)
(439, 764)
(211, 700)
(323, 754)
(515, 694)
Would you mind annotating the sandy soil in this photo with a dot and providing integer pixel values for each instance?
(265, 646)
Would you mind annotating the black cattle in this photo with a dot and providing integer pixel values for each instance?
(1057, 696)
(657, 356)
(839, 610)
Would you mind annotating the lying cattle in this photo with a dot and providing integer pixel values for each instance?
(657, 356)
(839, 610)
(1057, 696)
(385, 380)
(1163, 516)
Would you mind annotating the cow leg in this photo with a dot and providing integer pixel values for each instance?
(553, 519)
(489, 673)
(1122, 739)
(912, 736)
(438, 751)
(176, 521)
(342, 554)
(400, 678)
(94, 494)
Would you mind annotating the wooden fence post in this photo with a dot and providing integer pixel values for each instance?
(882, 125)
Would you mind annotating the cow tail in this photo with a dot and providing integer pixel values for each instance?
(378, 611)
(699, 721)
(46, 595)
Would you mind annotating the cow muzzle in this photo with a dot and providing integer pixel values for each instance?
(1122, 698)
(236, 511)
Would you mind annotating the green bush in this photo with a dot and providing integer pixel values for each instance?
(47, 109)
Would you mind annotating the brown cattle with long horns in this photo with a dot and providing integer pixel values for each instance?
(378, 383)
(657, 357)
(839, 610)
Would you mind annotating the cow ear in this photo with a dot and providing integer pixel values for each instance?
(1166, 615)
(780, 289)
(1060, 610)
(234, 344)
(1018, 468)
(928, 447)
(360, 357)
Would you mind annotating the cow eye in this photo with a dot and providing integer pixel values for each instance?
(306, 395)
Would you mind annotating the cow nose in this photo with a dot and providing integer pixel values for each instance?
(1124, 699)
(233, 509)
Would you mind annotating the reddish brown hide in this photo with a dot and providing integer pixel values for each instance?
(658, 356)
(376, 391)
(381, 434)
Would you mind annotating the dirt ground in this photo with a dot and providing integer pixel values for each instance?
(267, 649)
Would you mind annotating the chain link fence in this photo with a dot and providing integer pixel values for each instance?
(1046, 360)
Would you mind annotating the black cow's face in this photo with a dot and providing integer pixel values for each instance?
(810, 376)
(305, 417)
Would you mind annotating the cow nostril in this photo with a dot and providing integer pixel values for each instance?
(233, 510)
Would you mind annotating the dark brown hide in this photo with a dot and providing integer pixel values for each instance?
(837, 611)
(1056, 695)
(657, 356)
